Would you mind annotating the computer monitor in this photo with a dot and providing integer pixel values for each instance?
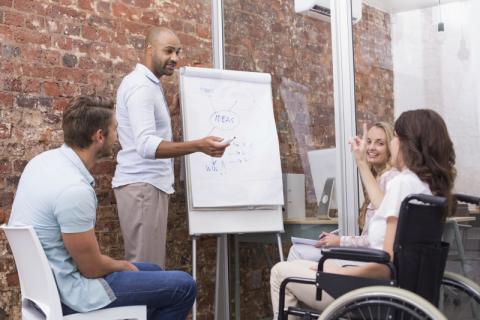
(323, 168)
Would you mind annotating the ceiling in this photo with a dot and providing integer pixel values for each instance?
(394, 6)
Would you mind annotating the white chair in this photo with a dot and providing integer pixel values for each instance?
(40, 298)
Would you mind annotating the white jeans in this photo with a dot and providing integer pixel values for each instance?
(296, 292)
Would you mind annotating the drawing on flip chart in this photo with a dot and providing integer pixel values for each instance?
(226, 105)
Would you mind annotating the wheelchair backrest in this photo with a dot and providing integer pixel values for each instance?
(419, 253)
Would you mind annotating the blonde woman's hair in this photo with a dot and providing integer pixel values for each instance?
(389, 133)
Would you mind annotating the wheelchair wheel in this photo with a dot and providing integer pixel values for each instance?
(381, 303)
(459, 297)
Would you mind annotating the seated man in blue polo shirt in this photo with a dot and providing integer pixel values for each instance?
(56, 196)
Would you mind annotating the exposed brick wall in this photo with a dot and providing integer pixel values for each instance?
(51, 50)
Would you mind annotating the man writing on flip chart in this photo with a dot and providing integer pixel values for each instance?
(144, 177)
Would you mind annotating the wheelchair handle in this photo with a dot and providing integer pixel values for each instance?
(467, 199)
(427, 199)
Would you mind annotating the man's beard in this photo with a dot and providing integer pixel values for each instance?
(105, 152)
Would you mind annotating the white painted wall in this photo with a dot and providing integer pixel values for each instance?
(441, 71)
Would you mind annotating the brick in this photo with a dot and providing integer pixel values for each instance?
(12, 85)
(6, 33)
(101, 22)
(6, 3)
(89, 33)
(6, 198)
(51, 89)
(5, 166)
(35, 23)
(14, 19)
(50, 118)
(104, 7)
(104, 167)
(123, 11)
(3, 219)
(71, 30)
(16, 149)
(150, 17)
(33, 102)
(36, 70)
(135, 28)
(61, 42)
(31, 37)
(79, 76)
(6, 100)
(12, 181)
(60, 104)
(12, 279)
(19, 165)
(30, 6)
(69, 60)
(140, 3)
(62, 12)
(31, 86)
(86, 63)
(85, 5)
(5, 130)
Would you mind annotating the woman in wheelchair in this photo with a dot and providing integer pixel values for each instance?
(374, 166)
(423, 153)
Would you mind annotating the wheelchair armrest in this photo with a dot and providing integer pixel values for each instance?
(356, 254)
(467, 199)
(427, 199)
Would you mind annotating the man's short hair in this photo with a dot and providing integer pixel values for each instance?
(83, 117)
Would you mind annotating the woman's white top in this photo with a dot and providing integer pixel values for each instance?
(404, 184)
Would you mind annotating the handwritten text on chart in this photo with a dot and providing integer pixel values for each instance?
(224, 119)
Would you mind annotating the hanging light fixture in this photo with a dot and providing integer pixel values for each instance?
(441, 25)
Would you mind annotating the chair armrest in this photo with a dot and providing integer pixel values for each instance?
(356, 254)
(467, 199)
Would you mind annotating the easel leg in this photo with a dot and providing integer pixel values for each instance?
(280, 248)
(237, 278)
(222, 299)
(194, 273)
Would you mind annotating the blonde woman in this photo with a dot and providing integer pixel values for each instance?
(375, 171)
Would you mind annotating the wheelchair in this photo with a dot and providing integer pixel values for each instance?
(418, 283)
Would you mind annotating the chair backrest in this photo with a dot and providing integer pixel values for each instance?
(37, 283)
(419, 253)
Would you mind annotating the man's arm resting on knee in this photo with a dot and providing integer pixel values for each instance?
(84, 249)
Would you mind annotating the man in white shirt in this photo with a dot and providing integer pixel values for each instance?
(144, 177)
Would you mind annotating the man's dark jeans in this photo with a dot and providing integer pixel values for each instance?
(167, 294)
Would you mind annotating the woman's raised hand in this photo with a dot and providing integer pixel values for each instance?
(358, 146)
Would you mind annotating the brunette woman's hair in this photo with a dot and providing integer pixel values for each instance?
(427, 150)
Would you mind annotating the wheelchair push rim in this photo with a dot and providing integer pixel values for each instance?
(389, 302)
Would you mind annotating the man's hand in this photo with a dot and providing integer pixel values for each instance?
(328, 240)
(127, 266)
(358, 146)
(211, 146)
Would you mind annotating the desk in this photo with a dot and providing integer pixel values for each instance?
(309, 227)
(451, 234)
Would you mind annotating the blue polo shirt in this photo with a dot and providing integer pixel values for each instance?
(55, 195)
